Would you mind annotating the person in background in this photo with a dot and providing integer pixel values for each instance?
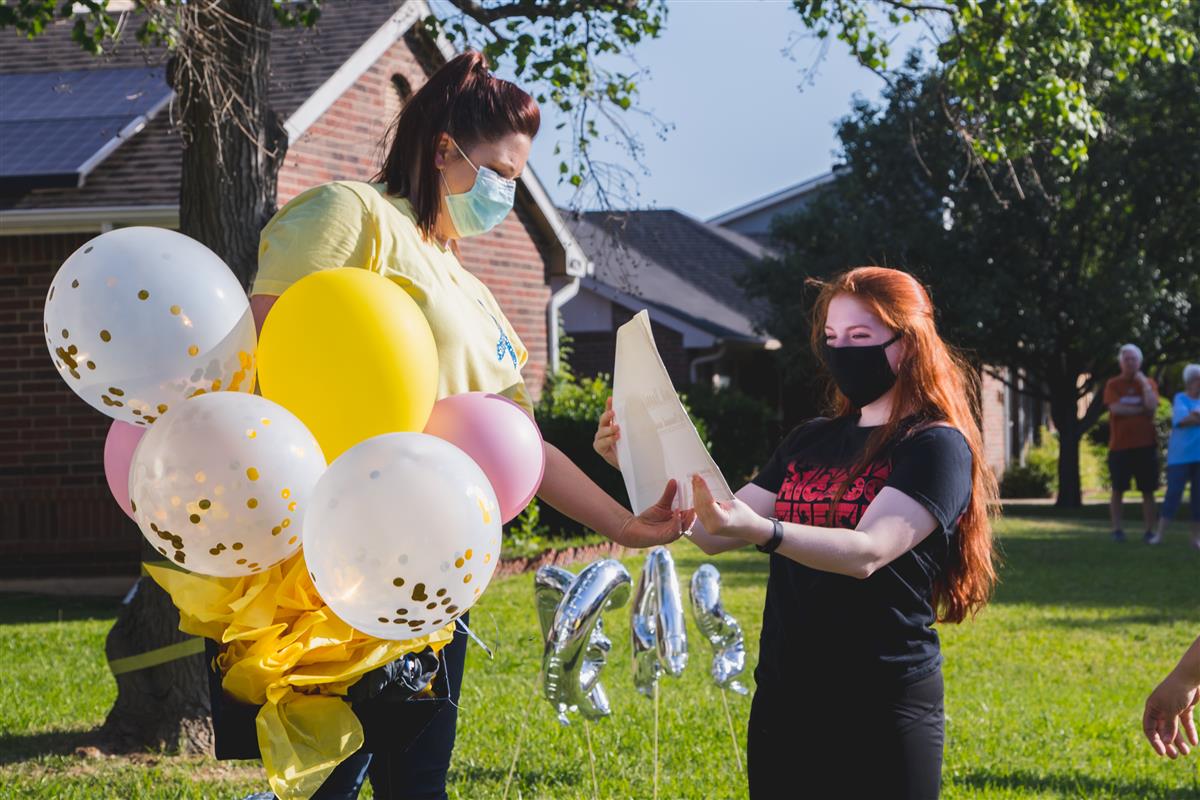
(1131, 398)
(1183, 455)
(1168, 721)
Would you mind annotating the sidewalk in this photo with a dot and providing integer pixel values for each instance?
(102, 586)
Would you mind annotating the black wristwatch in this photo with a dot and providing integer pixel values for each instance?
(776, 537)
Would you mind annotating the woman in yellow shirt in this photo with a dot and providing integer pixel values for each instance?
(459, 145)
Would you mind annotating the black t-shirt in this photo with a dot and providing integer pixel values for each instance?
(829, 627)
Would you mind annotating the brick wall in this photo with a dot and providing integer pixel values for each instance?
(57, 516)
(595, 353)
(348, 143)
(54, 504)
(995, 424)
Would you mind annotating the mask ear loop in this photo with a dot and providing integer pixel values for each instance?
(464, 155)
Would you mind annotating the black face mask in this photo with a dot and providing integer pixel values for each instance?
(863, 374)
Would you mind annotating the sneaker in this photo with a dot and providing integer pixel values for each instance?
(1118, 535)
(1151, 537)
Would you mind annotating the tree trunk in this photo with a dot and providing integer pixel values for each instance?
(164, 707)
(233, 152)
(1064, 411)
(233, 147)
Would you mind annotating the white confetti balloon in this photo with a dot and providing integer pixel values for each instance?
(139, 319)
(221, 484)
(403, 535)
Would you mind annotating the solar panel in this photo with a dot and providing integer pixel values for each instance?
(56, 127)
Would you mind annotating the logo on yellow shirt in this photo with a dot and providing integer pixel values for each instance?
(503, 344)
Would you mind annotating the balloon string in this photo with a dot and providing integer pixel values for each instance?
(520, 740)
(656, 739)
(587, 732)
(737, 753)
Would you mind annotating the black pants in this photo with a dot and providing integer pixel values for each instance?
(809, 742)
(418, 772)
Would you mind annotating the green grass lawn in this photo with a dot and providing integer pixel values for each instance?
(1044, 689)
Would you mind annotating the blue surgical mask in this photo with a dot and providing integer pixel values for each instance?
(485, 205)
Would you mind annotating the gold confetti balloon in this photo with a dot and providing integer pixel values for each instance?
(402, 535)
(140, 319)
(221, 485)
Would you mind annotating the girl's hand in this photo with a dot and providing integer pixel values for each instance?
(605, 443)
(1168, 721)
(658, 524)
(734, 519)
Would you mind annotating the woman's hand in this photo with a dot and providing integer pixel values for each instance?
(605, 443)
(658, 524)
(734, 519)
(1168, 721)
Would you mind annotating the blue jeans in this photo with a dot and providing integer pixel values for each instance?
(1178, 476)
(418, 773)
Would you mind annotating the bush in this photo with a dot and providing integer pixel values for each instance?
(567, 414)
(739, 429)
(1038, 476)
(1025, 480)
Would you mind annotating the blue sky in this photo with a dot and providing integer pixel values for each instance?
(746, 121)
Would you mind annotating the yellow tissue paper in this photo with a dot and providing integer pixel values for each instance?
(283, 649)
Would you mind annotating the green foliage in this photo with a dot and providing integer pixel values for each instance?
(95, 23)
(738, 426)
(1020, 77)
(563, 50)
(1038, 476)
(568, 414)
(1025, 481)
(1050, 285)
(1043, 456)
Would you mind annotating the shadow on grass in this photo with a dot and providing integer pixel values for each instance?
(527, 779)
(1078, 568)
(15, 747)
(1061, 785)
(21, 609)
(1081, 623)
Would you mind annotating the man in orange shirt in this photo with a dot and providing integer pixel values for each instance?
(1132, 398)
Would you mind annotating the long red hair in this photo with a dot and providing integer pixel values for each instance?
(937, 385)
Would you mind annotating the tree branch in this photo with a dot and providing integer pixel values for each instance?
(533, 10)
(1034, 393)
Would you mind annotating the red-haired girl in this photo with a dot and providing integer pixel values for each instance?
(876, 519)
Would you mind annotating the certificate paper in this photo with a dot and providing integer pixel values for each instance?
(658, 441)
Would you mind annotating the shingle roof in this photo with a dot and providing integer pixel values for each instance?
(145, 170)
(679, 264)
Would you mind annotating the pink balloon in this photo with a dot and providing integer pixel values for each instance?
(119, 445)
(502, 439)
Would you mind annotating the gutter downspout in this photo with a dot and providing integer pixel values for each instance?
(708, 359)
(557, 301)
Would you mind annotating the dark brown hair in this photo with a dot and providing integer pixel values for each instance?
(937, 385)
(464, 100)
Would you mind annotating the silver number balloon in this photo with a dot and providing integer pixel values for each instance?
(719, 627)
(569, 609)
(656, 623)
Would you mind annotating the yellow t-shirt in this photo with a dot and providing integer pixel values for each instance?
(354, 224)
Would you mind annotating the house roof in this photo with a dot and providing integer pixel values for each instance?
(780, 197)
(138, 180)
(684, 268)
(145, 169)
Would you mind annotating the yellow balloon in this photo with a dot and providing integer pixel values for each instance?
(349, 353)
